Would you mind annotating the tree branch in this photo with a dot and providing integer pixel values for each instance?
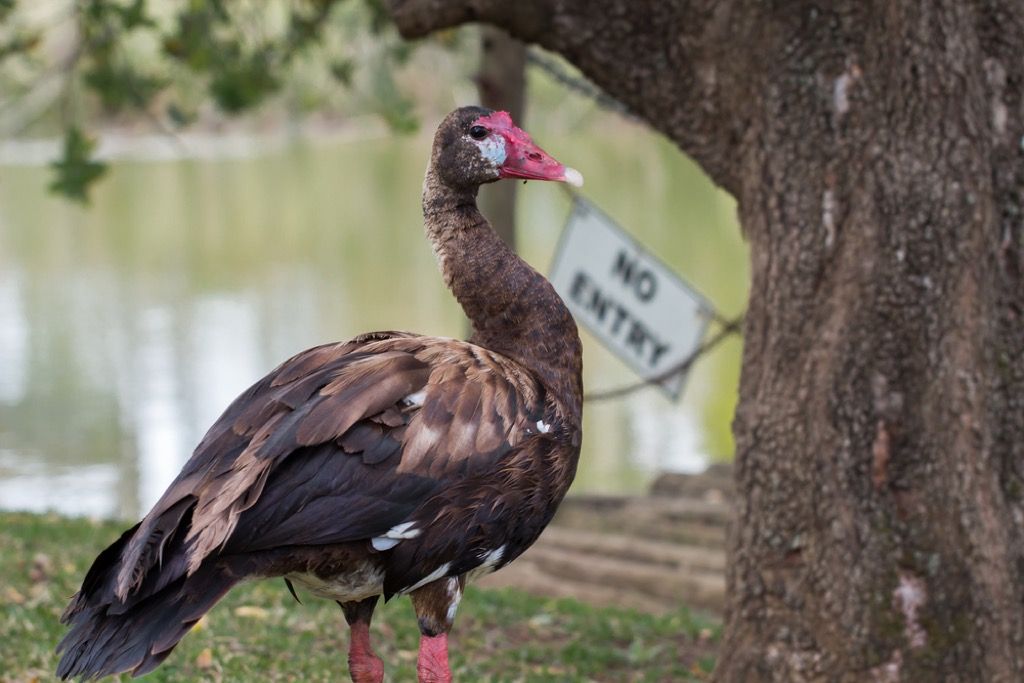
(666, 61)
(523, 18)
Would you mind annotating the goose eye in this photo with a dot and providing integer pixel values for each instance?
(478, 132)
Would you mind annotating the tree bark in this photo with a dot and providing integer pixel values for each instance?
(501, 83)
(876, 150)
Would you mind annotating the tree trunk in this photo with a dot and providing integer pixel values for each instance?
(501, 83)
(877, 153)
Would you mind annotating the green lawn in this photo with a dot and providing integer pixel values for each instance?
(259, 633)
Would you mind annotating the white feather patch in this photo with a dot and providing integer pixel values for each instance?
(455, 593)
(489, 559)
(492, 558)
(429, 578)
(416, 399)
(397, 533)
(380, 544)
(543, 427)
(403, 530)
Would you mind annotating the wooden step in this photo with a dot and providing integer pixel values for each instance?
(643, 551)
(700, 523)
(715, 483)
(610, 581)
(615, 569)
(526, 575)
(673, 587)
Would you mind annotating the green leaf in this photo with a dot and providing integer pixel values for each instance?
(400, 52)
(76, 171)
(400, 116)
(390, 102)
(217, 9)
(179, 116)
(342, 71)
(302, 30)
(135, 16)
(380, 18)
(19, 44)
(242, 84)
(121, 86)
(194, 42)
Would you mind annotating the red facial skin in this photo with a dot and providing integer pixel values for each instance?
(524, 159)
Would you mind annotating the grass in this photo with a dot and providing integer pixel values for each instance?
(258, 632)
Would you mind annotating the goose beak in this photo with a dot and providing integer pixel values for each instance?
(528, 161)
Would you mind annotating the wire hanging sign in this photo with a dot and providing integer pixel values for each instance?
(629, 299)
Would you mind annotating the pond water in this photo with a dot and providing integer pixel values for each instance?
(128, 326)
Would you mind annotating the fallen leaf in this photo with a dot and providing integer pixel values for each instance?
(42, 568)
(540, 621)
(251, 611)
(205, 659)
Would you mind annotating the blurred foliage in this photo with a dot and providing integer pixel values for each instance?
(76, 170)
(170, 62)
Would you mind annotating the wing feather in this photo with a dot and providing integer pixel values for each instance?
(362, 389)
(326, 449)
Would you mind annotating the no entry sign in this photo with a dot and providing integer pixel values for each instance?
(626, 297)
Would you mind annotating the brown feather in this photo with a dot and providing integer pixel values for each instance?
(307, 362)
(391, 417)
(369, 394)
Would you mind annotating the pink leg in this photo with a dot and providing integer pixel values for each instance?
(435, 606)
(432, 664)
(363, 663)
(364, 666)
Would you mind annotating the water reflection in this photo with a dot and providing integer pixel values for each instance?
(126, 328)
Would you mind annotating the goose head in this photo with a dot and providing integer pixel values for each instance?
(474, 146)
